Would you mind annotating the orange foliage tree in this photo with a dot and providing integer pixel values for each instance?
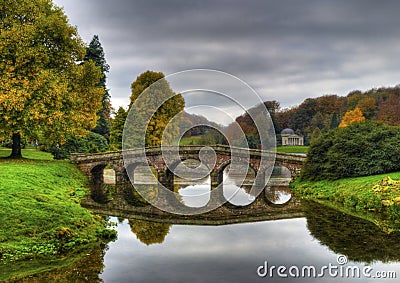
(352, 116)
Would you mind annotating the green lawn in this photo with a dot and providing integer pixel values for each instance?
(190, 140)
(41, 216)
(292, 149)
(378, 196)
(29, 153)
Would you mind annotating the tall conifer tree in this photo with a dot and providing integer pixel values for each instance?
(95, 53)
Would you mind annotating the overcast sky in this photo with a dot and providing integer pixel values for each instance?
(286, 50)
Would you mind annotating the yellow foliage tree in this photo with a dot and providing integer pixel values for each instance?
(156, 89)
(43, 87)
(352, 116)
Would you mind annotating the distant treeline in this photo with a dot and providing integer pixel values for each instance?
(325, 112)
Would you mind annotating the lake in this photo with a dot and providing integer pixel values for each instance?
(158, 252)
(154, 252)
(322, 246)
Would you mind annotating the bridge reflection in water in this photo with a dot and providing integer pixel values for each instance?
(275, 202)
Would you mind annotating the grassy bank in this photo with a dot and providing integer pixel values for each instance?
(41, 217)
(29, 153)
(292, 149)
(190, 140)
(375, 198)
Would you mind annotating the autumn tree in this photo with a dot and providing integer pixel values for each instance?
(154, 95)
(352, 116)
(389, 111)
(42, 86)
(95, 52)
(354, 97)
(285, 117)
(368, 107)
(248, 122)
(328, 104)
(304, 114)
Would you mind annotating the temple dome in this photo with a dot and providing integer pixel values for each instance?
(287, 131)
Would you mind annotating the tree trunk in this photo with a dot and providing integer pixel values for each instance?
(16, 146)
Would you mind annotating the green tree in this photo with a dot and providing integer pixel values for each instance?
(211, 137)
(315, 135)
(359, 149)
(154, 95)
(117, 128)
(95, 52)
(91, 143)
(318, 121)
(42, 88)
(334, 121)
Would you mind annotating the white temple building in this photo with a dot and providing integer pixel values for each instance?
(289, 137)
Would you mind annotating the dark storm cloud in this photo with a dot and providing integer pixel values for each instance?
(286, 50)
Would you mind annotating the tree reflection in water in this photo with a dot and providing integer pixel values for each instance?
(358, 239)
(148, 232)
(86, 269)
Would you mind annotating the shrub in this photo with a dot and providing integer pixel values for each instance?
(360, 149)
(92, 143)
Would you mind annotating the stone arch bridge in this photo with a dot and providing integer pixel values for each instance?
(93, 165)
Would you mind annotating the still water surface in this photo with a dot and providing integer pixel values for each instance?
(157, 252)
(150, 251)
(154, 252)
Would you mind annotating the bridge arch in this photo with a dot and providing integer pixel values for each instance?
(97, 174)
(238, 192)
(221, 168)
(97, 179)
(95, 170)
(129, 169)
